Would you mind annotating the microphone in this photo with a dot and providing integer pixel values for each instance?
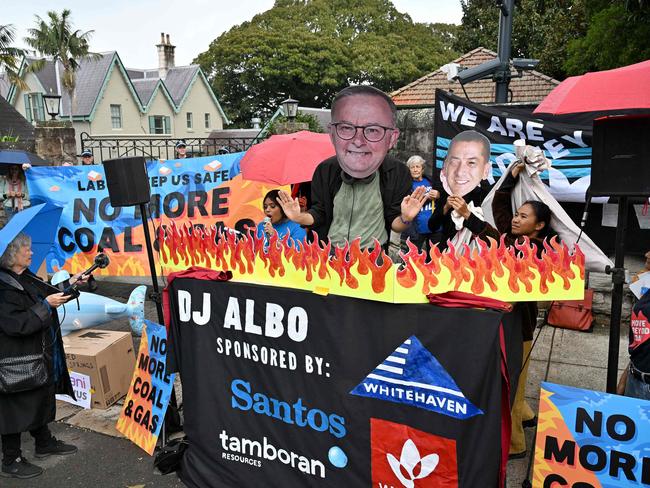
(101, 261)
(266, 221)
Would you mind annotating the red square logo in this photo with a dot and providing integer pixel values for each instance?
(404, 457)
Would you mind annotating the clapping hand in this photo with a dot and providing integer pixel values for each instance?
(412, 204)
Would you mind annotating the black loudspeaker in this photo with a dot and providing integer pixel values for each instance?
(127, 181)
(620, 164)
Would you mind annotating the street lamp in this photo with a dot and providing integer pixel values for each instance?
(290, 108)
(52, 105)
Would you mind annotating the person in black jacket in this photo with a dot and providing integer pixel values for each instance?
(463, 177)
(531, 220)
(29, 325)
(361, 192)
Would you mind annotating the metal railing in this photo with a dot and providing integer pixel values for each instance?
(160, 148)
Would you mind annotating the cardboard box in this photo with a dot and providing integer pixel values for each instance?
(107, 356)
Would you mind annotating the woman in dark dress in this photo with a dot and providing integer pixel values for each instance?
(29, 325)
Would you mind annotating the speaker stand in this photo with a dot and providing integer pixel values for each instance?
(618, 278)
(156, 297)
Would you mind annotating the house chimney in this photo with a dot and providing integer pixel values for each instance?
(165, 55)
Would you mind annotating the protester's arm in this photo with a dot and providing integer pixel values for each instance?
(320, 194)
(502, 202)
(16, 320)
(410, 207)
(291, 208)
(440, 209)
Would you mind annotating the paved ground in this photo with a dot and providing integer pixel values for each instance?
(105, 459)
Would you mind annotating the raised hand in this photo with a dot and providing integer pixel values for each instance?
(517, 169)
(412, 204)
(290, 206)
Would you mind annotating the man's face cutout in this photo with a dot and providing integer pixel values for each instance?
(464, 168)
(359, 157)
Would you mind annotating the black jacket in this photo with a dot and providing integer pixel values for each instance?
(440, 219)
(394, 183)
(28, 326)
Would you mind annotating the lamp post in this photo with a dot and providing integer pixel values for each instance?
(290, 108)
(52, 105)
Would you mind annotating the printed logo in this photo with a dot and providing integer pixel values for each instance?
(296, 413)
(412, 375)
(640, 329)
(424, 459)
(254, 452)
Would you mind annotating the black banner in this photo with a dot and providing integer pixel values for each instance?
(288, 388)
(568, 146)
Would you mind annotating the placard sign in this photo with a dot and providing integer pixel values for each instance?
(146, 402)
(591, 439)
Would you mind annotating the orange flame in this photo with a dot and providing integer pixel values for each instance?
(487, 269)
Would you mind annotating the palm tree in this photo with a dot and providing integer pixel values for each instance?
(10, 56)
(55, 38)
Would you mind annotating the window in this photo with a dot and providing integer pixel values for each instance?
(34, 107)
(207, 121)
(159, 124)
(190, 122)
(116, 116)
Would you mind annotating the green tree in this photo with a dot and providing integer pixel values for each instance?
(10, 56)
(541, 30)
(57, 39)
(310, 49)
(618, 35)
(310, 120)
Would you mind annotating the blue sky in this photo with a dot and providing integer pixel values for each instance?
(132, 28)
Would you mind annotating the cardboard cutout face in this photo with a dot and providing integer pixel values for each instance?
(359, 157)
(465, 166)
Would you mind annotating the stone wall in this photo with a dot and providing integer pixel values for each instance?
(55, 142)
(416, 135)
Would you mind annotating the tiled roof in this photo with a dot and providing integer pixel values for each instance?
(532, 87)
(90, 79)
(14, 124)
(144, 87)
(178, 81)
(92, 74)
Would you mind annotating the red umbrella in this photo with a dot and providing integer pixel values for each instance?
(625, 88)
(286, 159)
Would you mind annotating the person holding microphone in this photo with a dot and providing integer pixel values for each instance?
(276, 222)
(32, 361)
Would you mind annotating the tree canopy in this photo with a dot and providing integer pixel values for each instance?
(618, 34)
(310, 49)
(10, 55)
(568, 37)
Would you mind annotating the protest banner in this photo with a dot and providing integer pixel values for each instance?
(590, 439)
(203, 191)
(146, 402)
(284, 388)
(568, 146)
(82, 390)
